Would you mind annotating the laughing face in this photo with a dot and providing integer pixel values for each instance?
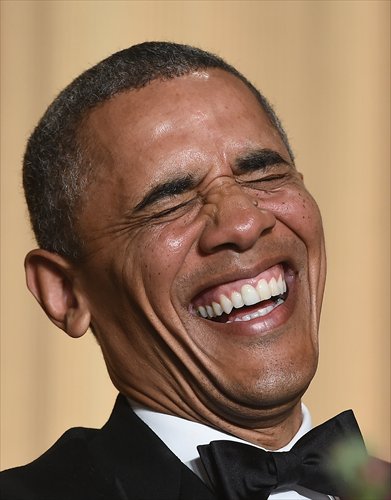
(205, 266)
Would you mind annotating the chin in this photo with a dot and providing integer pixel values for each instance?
(268, 393)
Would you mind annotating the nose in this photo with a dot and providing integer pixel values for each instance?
(236, 220)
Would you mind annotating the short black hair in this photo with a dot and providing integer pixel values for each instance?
(57, 167)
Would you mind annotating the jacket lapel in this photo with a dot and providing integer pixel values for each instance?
(138, 465)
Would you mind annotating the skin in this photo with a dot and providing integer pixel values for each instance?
(144, 267)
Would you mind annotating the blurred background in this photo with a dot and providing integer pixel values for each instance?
(325, 65)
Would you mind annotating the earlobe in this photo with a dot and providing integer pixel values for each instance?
(52, 281)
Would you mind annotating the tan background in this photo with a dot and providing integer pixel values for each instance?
(325, 66)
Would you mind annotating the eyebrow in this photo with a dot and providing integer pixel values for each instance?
(259, 159)
(173, 187)
(254, 160)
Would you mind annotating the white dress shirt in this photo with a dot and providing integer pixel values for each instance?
(183, 436)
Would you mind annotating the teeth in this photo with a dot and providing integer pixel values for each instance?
(259, 313)
(267, 309)
(237, 300)
(248, 296)
(263, 290)
(226, 304)
(210, 312)
(273, 287)
(218, 310)
(202, 311)
(280, 285)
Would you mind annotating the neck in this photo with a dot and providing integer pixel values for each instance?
(271, 428)
(272, 431)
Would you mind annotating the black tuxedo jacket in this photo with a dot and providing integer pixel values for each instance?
(124, 460)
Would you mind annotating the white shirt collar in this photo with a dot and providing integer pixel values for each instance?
(183, 436)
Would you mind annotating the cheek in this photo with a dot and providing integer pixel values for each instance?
(301, 214)
(163, 254)
(175, 244)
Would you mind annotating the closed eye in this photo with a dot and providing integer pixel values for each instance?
(170, 210)
(269, 178)
(260, 160)
(267, 181)
(166, 190)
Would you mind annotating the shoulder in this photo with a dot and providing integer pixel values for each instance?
(65, 471)
(113, 463)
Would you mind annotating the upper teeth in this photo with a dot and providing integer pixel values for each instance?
(247, 296)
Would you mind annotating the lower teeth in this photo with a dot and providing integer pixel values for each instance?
(259, 313)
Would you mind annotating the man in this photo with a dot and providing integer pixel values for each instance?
(172, 221)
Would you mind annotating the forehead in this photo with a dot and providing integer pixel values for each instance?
(200, 119)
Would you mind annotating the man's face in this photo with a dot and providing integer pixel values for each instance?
(196, 211)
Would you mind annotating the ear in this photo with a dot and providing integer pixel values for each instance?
(52, 280)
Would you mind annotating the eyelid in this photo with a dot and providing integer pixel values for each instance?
(272, 177)
(168, 189)
(264, 180)
(265, 174)
(266, 169)
(171, 209)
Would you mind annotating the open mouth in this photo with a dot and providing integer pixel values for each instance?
(244, 300)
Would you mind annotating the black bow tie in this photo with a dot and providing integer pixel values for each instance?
(243, 472)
